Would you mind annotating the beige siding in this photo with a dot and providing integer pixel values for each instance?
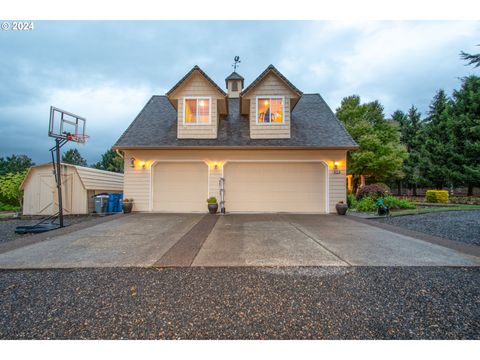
(137, 181)
(136, 185)
(197, 85)
(273, 86)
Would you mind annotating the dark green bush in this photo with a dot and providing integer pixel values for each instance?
(373, 190)
(351, 201)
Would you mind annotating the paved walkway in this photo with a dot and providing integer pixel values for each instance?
(146, 240)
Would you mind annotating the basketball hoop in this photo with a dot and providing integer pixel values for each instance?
(81, 139)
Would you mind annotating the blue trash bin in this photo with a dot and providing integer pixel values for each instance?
(119, 202)
(111, 202)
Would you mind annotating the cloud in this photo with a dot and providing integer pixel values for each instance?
(107, 71)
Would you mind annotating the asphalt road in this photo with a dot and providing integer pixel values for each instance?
(241, 303)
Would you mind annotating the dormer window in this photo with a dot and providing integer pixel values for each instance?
(270, 109)
(197, 111)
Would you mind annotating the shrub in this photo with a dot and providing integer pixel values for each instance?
(396, 203)
(373, 190)
(437, 196)
(6, 207)
(212, 200)
(367, 204)
(10, 193)
(351, 201)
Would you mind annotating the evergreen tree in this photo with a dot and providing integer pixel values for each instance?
(381, 155)
(473, 59)
(437, 152)
(73, 157)
(466, 129)
(410, 135)
(15, 164)
(110, 161)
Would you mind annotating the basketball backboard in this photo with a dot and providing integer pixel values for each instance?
(65, 125)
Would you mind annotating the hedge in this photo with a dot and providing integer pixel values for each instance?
(437, 196)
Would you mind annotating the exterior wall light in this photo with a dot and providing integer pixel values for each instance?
(336, 170)
(142, 164)
(132, 162)
(215, 165)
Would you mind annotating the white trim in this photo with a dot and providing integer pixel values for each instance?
(327, 174)
(270, 97)
(155, 162)
(209, 98)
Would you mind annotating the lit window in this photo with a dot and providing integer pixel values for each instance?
(269, 110)
(197, 111)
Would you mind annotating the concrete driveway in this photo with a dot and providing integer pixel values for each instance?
(145, 240)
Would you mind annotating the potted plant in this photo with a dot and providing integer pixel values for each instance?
(341, 208)
(127, 205)
(212, 205)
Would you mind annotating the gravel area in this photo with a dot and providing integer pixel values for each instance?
(7, 227)
(246, 303)
(462, 226)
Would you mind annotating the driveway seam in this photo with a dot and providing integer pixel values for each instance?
(186, 249)
(316, 241)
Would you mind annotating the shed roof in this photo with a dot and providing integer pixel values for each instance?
(92, 179)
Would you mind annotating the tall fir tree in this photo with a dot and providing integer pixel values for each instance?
(466, 129)
(73, 157)
(437, 151)
(410, 135)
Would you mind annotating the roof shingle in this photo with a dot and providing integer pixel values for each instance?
(313, 125)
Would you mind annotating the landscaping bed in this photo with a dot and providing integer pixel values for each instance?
(461, 226)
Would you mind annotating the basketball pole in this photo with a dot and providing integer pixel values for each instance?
(59, 181)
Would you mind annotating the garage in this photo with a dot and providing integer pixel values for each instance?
(180, 186)
(275, 187)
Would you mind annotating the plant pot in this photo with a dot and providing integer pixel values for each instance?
(341, 208)
(127, 207)
(212, 208)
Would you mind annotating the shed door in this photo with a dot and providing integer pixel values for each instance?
(46, 192)
(180, 187)
(275, 187)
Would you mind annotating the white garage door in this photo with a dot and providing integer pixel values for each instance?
(180, 187)
(275, 187)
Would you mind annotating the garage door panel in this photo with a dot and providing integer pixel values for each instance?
(180, 187)
(275, 187)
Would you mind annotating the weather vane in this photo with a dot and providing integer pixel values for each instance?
(236, 63)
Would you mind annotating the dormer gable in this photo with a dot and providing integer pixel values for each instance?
(199, 103)
(269, 101)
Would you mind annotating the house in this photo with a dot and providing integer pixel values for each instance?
(79, 185)
(276, 149)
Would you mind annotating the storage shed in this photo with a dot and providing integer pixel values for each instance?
(79, 185)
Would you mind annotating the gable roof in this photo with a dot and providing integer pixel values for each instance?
(187, 75)
(313, 125)
(260, 77)
(234, 76)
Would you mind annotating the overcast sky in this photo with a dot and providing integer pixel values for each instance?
(107, 71)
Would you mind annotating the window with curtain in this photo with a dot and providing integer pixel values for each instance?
(197, 111)
(269, 110)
